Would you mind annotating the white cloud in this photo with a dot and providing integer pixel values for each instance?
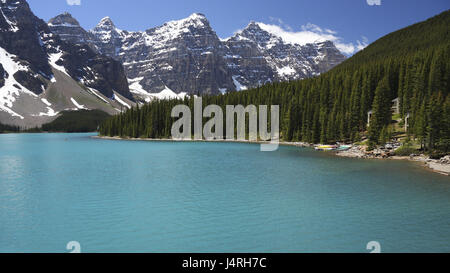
(311, 33)
(362, 44)
(73, 2)
(351, 48)
(374, 2)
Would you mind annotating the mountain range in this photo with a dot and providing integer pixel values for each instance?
(49, 68)
(188, 56)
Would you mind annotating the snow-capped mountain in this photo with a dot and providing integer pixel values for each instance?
(41, 75)
(69, 29)
(187, 56)
(108, 37)
(184, 55)
(256, 56)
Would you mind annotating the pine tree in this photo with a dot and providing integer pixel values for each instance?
(381, 109)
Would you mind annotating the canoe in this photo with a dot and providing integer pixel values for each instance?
(326, 147)
(344, 147)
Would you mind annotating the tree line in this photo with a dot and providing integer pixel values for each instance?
(8, 128)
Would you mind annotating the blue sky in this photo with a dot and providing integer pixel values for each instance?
(351, 23)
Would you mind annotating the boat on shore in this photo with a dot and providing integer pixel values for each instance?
(338, 148)
(343, 148)
(326, 147)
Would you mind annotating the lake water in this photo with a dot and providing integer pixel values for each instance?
(124, 196)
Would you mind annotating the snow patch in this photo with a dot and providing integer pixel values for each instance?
(46, 102)
(239, 86)
(168, 94)
(11, 88)
(136, 87)
(286, 71)
(165, 94)
(79, 106)
(119, 100)
(53, 58)
(63, 25)
(50, 113)
(97, 94)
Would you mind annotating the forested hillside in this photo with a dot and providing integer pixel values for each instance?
(81, 121)
(411, 64)
(8, 128)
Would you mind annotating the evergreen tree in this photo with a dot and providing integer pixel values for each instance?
(381, 110)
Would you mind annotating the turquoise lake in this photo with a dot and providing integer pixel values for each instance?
(130, 196)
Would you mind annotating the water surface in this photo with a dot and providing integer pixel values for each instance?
(125, 196)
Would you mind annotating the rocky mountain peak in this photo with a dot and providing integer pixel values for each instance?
(13, 14)
(69, 29)
(198, 17)
(13, 4)
(253, 26)
(64, 19)
(193, 22)
(255, 33)
(108, 38)
(106, 30)
(18, 35)
(105, 24)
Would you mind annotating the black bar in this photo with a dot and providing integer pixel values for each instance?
(254, 263)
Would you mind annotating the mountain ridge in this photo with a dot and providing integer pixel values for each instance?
(186, 55)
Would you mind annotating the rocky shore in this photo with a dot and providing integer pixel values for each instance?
(441, 166)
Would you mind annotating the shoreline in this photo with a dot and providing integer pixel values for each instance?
(430, 164)
(295, 144)
(441, 166)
